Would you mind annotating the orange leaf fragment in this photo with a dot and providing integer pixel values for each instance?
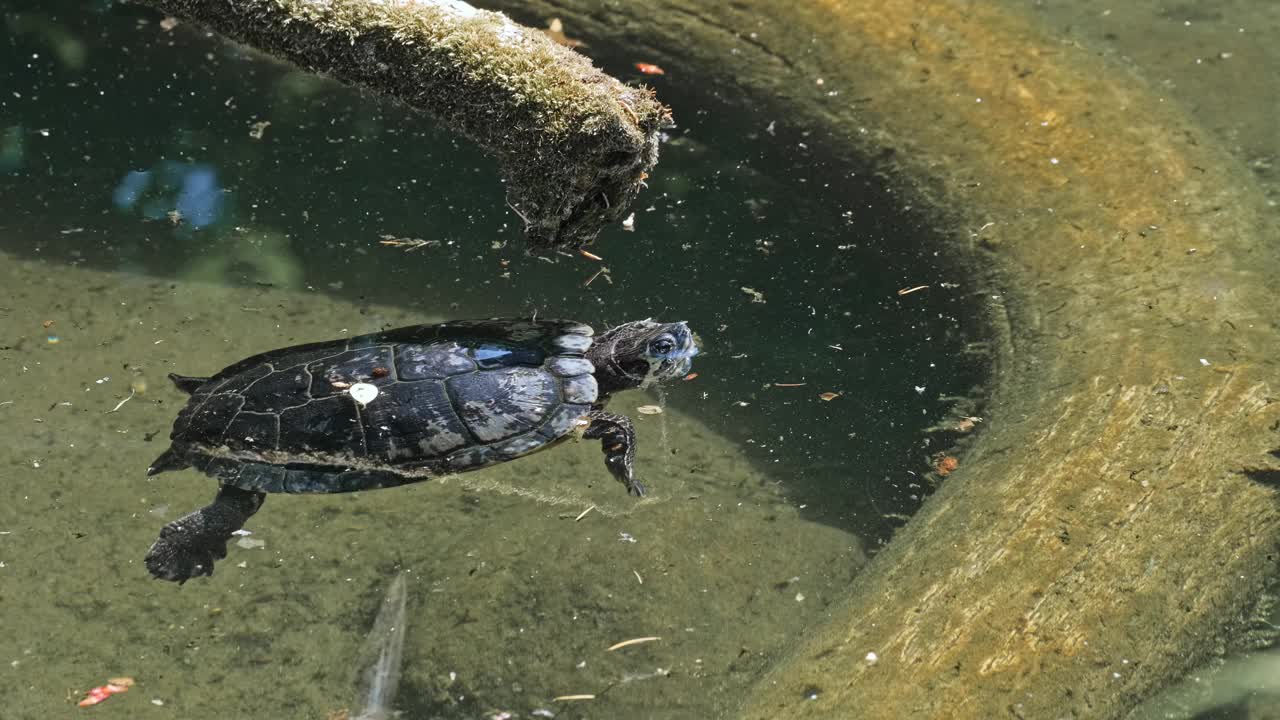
(102, 692)
(829, 396)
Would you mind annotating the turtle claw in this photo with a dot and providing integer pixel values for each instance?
(171, 558)
(618, 441)
(188, 546)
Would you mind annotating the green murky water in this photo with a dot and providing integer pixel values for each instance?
(173, 203)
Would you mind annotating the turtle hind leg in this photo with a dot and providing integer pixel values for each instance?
(618, 441)
(186, 383)
(188, 546)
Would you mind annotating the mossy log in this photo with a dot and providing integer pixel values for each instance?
(1117, 517)
(574, 143)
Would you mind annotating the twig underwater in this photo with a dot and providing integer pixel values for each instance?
(382, 657)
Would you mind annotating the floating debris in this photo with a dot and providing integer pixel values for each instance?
(602, 271)
(650, 69)
(756, 295)
(409, 244)
(649, 410)
(829, 396)
(257, 129)
(908, 291)
(555, 31)
(630, 223)
(571, 698)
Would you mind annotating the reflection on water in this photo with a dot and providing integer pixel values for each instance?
(182, 193)
(203, 204)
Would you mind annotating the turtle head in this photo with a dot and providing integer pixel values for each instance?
(637, 354)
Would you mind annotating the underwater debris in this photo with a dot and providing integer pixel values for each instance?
(574, 143)
(102, 692)
(633, 641)
(945, 465)
(385, 647)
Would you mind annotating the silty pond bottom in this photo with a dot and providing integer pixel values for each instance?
(203, 204)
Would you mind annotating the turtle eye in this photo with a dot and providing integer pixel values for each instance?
(663, 346)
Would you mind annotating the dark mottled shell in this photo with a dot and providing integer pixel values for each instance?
(451, 397)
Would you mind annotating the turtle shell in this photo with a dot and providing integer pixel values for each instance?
(389, 408)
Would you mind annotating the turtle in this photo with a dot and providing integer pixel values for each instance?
(401, 406)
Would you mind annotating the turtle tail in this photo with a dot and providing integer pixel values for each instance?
(168, 460)
(186, 383)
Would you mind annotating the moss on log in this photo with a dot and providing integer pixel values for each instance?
(1107, 531)
(574, 143)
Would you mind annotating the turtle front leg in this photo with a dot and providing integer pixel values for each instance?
(618, 440)
(188, 546)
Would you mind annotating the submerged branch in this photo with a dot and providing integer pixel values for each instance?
(574, 143)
